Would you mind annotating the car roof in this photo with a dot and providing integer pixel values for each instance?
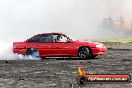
(53, 33)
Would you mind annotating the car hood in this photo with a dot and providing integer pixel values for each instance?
(90, 43)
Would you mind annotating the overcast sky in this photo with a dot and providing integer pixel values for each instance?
(20, 19)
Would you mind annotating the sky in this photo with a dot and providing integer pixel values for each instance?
(20, 19)
(81, 19)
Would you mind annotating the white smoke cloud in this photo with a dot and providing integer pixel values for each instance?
(5, 46)
(21, 19)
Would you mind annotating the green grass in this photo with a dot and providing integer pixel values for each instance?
(122, 40)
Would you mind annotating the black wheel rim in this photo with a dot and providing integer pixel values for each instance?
(84, 52)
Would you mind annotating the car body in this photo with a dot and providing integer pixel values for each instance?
(46, 46)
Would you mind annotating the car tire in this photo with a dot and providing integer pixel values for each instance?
(85, 53)
(32, 52)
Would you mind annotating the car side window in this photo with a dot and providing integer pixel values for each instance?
(42, 38)
(64, 39)
(34, 39)
(47, 38)
(59, 38)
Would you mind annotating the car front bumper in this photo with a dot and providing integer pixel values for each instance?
(99, 51)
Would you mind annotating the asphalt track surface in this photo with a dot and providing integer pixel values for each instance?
(61, 73)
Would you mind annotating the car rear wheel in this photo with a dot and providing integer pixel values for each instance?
(84, 53)
(32, 52)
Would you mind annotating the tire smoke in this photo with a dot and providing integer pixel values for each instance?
(7, 54)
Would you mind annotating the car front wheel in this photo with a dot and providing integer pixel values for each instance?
(84, 53)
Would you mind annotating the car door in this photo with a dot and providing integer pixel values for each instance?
(69, 48)
(57, 46)
(42, 42)
(63, 47)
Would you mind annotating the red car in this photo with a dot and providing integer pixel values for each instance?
(58, 44)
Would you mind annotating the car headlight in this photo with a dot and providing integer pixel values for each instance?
(99, 46)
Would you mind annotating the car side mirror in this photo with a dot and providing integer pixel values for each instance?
(69, 40)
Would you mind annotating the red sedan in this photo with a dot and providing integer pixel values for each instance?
(58, 44)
